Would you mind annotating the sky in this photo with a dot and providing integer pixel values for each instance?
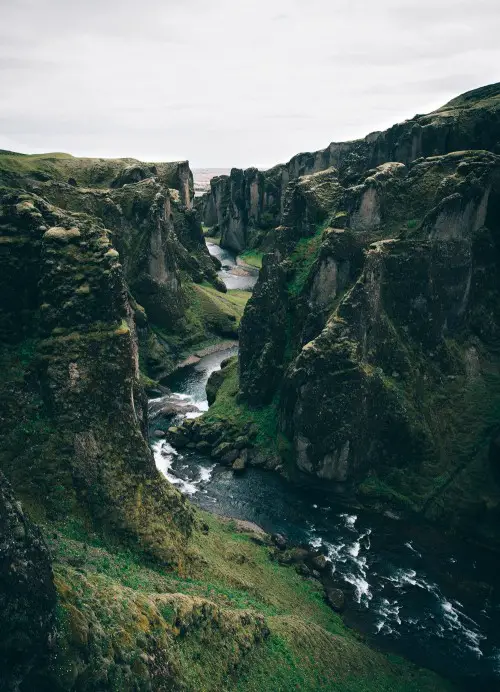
(231, 82)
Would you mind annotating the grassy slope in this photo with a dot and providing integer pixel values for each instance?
(228, 409)
(253, 258)
(208, 620)
(92, 172)
(211, 317)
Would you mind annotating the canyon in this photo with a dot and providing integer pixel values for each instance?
(365, 378)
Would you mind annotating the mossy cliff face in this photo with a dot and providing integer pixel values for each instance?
(243, 206)
(375, 323)
(27, 595)
(247, 204)
(159, 240)
(18, 170)
(75, 413)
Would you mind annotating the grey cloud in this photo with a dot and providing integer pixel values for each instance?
(226, 83)
(18, 63)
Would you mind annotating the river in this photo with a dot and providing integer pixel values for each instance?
(410, 589)
(234, 273)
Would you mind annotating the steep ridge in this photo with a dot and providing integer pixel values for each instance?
(176, 294)
(246, 205)
(370, 345)
(127, 587)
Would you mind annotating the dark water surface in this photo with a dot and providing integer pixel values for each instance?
(410, 590)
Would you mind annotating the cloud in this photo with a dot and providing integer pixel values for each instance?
(231, 84)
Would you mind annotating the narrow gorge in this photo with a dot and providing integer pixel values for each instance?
(250, 439)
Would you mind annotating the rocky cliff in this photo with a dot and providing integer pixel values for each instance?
(246, 204)
(157, 235)
(374, 327)
(125, 586)
(68, 324)
(27, 596)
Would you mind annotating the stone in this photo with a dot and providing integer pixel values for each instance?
(241, 442)
(229, 457)
(221, 450)
(238, 465)
(303, 570)
(319, 562)
(279, 541)
(203, 447)
(159, 433)
(335, 598)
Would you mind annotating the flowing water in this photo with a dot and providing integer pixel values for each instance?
(410, 590)
(234, 274)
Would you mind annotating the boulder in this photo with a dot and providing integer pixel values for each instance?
(239, 465)
(230, 457)
(319, 562)
(221, 450)
(279, 541)
(335, 598)
(241, 442)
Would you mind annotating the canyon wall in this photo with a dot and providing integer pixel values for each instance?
(374, 328)
(121, 584)
(247, 204)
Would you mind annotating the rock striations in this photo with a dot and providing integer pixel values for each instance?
(369, 355)
(375, 323)
(247, 205)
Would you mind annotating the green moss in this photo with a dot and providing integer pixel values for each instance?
(302, 258)
(231, 619)
(230, 410)
(253, 258)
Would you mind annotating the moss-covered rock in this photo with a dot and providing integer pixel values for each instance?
(363, 332)
(27, 596)
(75, 409)
(246, 204)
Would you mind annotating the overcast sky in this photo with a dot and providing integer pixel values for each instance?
(231, 82)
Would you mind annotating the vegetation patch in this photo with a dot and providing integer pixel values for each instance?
(228, 408)
(253, 258)
(302, 258)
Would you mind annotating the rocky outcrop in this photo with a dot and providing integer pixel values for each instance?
(27, 596)
(246, 204)
(73, 431)
(22, 170)
(375, 322)
(159, 241)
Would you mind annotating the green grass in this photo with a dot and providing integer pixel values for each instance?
(303, 257)
(228, 409)
(218, 312)
(210, 317)
(209, 620)
(253, 258)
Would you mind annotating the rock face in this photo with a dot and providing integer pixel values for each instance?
(20, 170)
(27, 595)
(75, 416)
(156, 234)
(246, 204)
(375, 322)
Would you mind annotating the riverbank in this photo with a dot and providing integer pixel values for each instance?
(408, 589)
(198, 354)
